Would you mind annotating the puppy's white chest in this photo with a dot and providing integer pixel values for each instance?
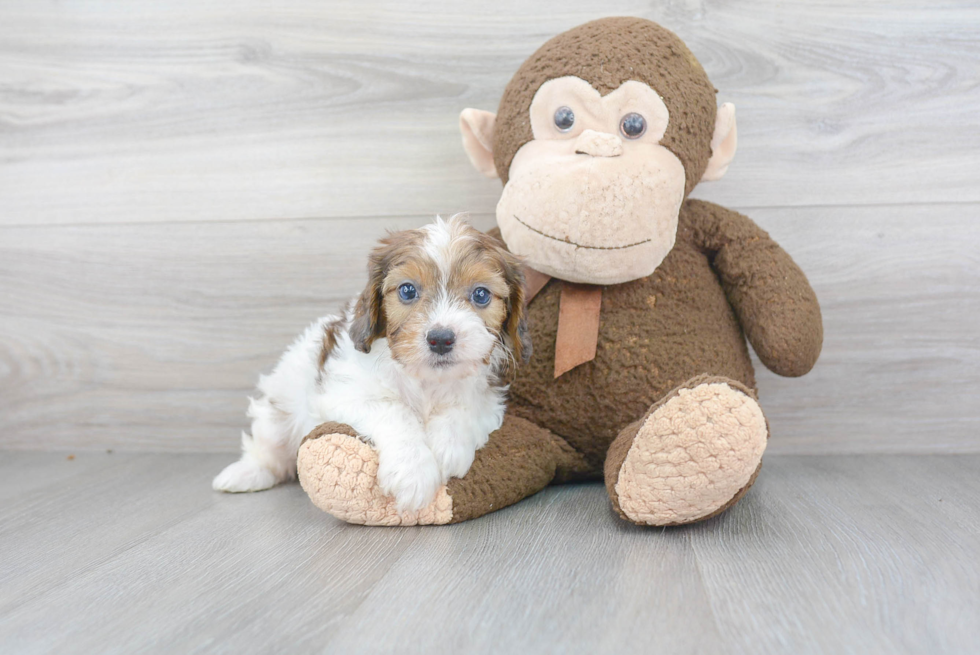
(431, 399)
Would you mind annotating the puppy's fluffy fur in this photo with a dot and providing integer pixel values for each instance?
(418, 366)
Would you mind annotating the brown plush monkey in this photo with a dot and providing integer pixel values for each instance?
(641, 299)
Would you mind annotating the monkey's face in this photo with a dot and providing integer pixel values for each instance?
(602, 133)
(593, 197)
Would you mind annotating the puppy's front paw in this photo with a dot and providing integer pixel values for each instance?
(410, 474)
(453, 454)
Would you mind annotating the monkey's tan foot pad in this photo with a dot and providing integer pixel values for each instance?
(339, 473)
(692, 457)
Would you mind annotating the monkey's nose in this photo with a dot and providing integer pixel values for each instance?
(441, 340)
(598, 144)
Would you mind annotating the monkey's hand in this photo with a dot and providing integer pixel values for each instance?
(770, 294)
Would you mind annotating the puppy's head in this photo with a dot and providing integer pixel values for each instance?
(447, 298)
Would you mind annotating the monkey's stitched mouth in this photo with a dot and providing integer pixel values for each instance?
(579, 245)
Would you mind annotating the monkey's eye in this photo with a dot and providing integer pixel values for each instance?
(564, 118)
(481, 296)
(407, 292)
(633, 126)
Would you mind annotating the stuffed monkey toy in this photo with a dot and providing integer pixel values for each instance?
(641, 299)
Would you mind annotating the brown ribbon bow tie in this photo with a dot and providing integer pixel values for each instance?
(578, 319)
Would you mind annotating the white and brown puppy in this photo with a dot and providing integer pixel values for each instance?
(418, 366)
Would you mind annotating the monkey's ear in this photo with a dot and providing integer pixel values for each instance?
(723, 143)
(476, 126)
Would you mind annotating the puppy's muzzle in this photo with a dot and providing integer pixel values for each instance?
(441, 340)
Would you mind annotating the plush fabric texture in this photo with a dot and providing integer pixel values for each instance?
(476, 128)
(578, 325)
(519, 460)
(564, 212)
(693, 452)
(599, 144)
(605, 53)
(769, 292)
(660, 331)
(339, 472)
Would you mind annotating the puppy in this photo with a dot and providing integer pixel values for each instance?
(418, 366)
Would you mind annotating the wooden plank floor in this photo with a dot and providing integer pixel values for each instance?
(116, 553)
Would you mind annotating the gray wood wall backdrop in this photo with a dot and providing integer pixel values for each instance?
(184, 185)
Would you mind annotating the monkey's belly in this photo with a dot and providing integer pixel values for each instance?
(654, 334)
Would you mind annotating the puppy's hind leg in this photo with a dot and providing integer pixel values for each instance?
(268, 454)
(280, 417)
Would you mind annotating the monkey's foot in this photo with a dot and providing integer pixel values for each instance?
(693, 455)
(339, 473)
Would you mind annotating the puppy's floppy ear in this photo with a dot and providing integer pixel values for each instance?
(369, 317)
(516, 334)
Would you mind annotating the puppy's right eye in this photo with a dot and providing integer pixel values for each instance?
(407, 292)
(481, 296)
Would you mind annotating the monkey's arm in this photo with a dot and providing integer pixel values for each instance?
(771, 297)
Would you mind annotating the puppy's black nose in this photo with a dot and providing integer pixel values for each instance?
(441, 340)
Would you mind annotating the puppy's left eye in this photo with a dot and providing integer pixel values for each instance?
(407, 292)
(481, 296)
